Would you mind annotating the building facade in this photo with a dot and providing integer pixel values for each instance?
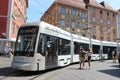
(84, 17)
(12, 15)
(69, 15)
(103, 20)
(119, 24)
(118, 29)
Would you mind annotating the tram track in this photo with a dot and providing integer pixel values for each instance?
(29, 75)
(11, 74)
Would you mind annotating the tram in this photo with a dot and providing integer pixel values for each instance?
(41, 46)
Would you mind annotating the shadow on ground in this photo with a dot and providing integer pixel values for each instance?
(112, 72)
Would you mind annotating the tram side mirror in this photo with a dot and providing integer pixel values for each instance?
(49, 43)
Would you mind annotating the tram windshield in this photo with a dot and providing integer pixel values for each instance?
(25, 43)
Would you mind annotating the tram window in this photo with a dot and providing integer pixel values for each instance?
(84, 46)
(96, 49)
(106, 49)
(76, 47)
(47, 41)
(52, 42)
(64, 47)
(41, 44)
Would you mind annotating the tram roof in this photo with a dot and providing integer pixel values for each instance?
(31, 24)
(104, 43)
(45, 25)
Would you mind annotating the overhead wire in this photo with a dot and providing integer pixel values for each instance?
(39, 3)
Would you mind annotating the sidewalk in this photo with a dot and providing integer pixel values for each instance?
(6, 59)
(99, 71)
(106, 70)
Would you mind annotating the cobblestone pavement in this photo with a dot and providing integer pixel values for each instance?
(106, 70)
(99, 71)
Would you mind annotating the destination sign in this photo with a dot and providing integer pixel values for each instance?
(28, 30)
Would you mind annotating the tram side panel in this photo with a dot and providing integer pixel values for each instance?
(108, 50)
(77, 46)
(48, 45)
(64, 56)
(76, 51)
(55, 50)
(96, 52)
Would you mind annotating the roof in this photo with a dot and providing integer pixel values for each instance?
(119, 10)
(27, 3)
(102, 5)
(95, 3)
(106, 6)
(74, 3)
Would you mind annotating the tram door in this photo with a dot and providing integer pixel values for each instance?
(96, 49)
(51, 51)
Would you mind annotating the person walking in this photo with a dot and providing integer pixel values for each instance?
(89, 52)
(114, 53)
(81, 57)
(6, 49)
(119, 58)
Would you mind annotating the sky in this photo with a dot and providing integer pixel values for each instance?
(36, 8)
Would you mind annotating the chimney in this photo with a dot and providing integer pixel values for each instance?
(86, 1)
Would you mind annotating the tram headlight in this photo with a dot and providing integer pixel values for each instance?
(30, 54)
(16, 54)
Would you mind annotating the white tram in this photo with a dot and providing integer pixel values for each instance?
(41, 46)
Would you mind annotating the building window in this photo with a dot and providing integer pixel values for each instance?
(94, 19)
(108, 31)
(101, 12)
(113, 23)
(63, 23)
(94, 37)
(73, 25)
(53, 12)
(101, 30)
(73, 12)
(108, 38)
(83, 14)
(83, 35)
(101, 20)
(93, 10)
(114, 31)
(63, 10)
(108, 21)
(113, 15)
(107, 13)
(94, 28)
(101, 37)
(17, 28)
(83, 26)
(13, 28)
(119, 19)
(15, 9)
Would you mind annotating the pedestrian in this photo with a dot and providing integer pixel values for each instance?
(6, 49)
(81, 57)
(119, 58)
(89, 52)
(114, 53)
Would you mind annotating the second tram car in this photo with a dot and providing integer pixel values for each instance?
(41, 46)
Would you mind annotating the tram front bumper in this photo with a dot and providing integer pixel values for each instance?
(24, 66)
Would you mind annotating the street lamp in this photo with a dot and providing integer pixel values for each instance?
(90, 44)
(118, 40)
(118, 37)
(89, 28)
(101, 51)
(72, 43)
